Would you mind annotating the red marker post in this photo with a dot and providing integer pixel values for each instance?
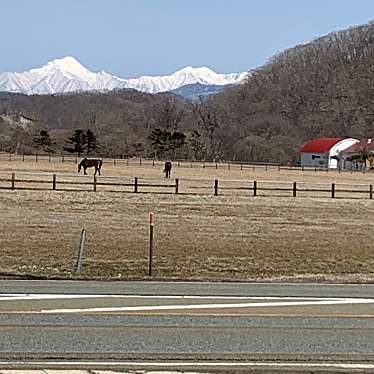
(151, 225)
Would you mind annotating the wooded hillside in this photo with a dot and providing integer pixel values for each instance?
(324, 88)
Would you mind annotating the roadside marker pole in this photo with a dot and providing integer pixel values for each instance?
(80, 253)
(151, 225)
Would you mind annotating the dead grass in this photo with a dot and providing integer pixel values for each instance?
(197, 237)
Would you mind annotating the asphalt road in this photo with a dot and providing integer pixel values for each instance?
(199, 326)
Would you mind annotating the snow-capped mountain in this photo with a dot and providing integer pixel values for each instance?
(68, 75)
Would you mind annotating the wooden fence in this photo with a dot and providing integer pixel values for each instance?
(67, 182)
(146, 162)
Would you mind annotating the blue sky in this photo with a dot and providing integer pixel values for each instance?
(130, 38)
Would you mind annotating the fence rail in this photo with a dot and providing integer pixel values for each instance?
(67, 182)
(228, 165)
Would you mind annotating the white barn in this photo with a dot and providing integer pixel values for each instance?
(324, 152)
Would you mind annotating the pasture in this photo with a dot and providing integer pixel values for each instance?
(235, 237)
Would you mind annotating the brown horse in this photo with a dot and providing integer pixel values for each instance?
(167, 169)
(90, 162)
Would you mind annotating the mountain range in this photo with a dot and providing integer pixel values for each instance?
(68, 75)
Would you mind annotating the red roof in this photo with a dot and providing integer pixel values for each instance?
(364, 144)
(321, 145)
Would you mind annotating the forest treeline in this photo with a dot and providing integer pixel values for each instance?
(323, 88)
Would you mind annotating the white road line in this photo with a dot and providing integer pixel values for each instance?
(208, 306)
(7, 297)
(228, 364)
(276, 301)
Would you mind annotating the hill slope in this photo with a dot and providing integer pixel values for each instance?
(323, 88)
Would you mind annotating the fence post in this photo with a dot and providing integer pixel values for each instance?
(176, 185)
(62, 159)
(371, 191)
(294, 189)
(153, 162)
(23, 157)
(13, 180)
(241, 166)
(216, 165)
(151, 224)
(54, 182)
(215, 187)
(95, 183)
(228, 165)
(80, 253)
(136, 184)
(266, 167)
(332, 190)
(254, 188)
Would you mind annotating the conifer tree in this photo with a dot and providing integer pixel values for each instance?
(44, 141)
(92, 143)
(77, 142)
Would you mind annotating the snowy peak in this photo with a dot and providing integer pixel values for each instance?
(68, 67)
(68, 75)
(186, 76)
(66, 64)
(204, 75)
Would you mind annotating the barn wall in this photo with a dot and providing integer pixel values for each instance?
(313, 159)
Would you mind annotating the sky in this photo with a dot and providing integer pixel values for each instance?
(130, 38)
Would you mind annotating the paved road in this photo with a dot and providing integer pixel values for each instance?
(220, 325)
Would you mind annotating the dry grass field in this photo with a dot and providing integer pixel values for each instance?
(226, 237)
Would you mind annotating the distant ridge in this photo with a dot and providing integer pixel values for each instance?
(68, 75)
(194, 92)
